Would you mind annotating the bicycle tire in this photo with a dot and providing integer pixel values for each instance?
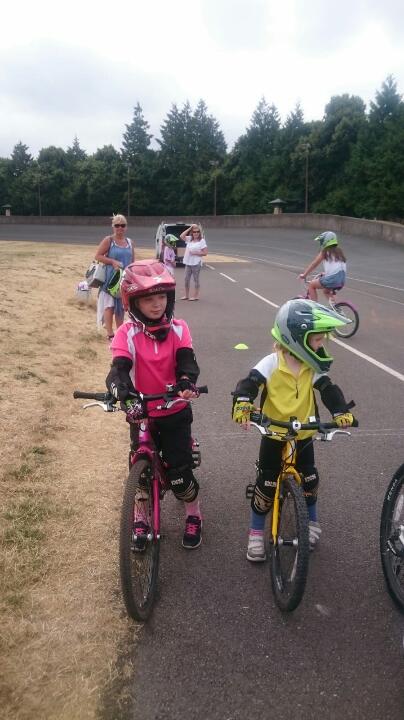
(348, 311)
(138, 570)
(289, 563)
(390, 542)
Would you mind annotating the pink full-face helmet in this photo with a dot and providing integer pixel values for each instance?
(143, 278)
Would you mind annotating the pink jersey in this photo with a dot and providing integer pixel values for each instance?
(154, 362)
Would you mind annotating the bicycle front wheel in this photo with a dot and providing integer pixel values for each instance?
(349, 312)
(392, 538)
(138, 562)
(289, 561)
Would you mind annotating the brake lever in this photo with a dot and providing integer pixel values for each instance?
(329, 434)
(107, 407)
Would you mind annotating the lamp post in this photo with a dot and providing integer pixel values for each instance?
(214, 164)
(306, 148)
(128, 191)
(39, 191)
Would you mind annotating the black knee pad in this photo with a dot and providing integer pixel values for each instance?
(264, 491)
(310, 484)
(183, 483)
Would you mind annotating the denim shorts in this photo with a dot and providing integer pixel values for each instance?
(333, 281)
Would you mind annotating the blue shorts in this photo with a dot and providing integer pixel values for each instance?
(333, 281)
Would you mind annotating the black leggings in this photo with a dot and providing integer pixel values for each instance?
(270, 461)
(172, 435)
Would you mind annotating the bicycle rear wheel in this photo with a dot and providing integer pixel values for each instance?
(348, 311)
(392, 538)
(289, 560)
(139, 569)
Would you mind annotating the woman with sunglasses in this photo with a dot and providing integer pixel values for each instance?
(116, 252)
(196, 248)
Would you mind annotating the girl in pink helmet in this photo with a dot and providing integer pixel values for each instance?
(150, 351)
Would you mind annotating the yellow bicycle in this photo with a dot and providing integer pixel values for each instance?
(289, 531)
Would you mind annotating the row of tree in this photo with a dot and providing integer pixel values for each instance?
(349, 163)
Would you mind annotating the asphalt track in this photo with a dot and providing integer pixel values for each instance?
(216, 646)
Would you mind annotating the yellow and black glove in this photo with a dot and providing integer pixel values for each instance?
(344, 419)
(242, 410)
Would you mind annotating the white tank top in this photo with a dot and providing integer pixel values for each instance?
(333, 266)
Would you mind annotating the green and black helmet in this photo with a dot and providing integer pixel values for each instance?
(327, 239)
(296, 320)
(114, 285)
(170, 240)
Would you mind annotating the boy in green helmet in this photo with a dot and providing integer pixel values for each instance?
(288, 378)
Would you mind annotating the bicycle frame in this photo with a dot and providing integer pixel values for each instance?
(329, 293)
(289, 453)
(147, 448)
(288, 468)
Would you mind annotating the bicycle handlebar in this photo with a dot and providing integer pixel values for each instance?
(107, 397)
(168, 394)
(295, 425)
(100, 397)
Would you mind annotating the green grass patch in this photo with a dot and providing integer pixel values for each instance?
(39, 450)
(24, 522)
(25, 374)
(20, 474)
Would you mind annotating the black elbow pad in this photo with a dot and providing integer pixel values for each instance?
(186, 364)
(249, 386)
(332, 396)
(119, 373)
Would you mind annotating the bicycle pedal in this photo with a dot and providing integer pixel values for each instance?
(196, 454)
(249, 491)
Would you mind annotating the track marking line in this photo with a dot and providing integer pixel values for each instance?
(262, 298)
(228, 277)
(370, 360)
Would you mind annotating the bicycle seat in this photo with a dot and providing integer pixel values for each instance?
(333, 291)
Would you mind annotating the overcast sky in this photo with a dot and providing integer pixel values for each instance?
(78, 68)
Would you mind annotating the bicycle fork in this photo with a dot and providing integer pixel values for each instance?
(288, 468)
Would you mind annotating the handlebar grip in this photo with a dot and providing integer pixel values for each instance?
(100, 397)
(202, 389)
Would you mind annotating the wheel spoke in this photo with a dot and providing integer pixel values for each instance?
(290, 553)
(392, 538)
(349, 312)
(138, 555)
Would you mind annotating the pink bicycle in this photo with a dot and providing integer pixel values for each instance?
(343, 307)
(144, 489)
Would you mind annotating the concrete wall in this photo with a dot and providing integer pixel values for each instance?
(391, 232)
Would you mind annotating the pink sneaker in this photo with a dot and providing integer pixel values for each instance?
(140, 533)
(192, 537)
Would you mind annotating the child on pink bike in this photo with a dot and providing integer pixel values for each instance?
(150, 351)
(334, 264)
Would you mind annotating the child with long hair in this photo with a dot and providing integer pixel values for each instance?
(334, 264)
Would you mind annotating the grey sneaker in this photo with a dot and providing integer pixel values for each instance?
(256, 548)
(314, 533)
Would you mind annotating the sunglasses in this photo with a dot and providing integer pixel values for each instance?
(118, 225)
(196, 232)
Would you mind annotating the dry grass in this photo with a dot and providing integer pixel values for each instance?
(60, 487)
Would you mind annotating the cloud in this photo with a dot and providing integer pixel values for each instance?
(55, 92)
(233, 25)
(72, 71)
